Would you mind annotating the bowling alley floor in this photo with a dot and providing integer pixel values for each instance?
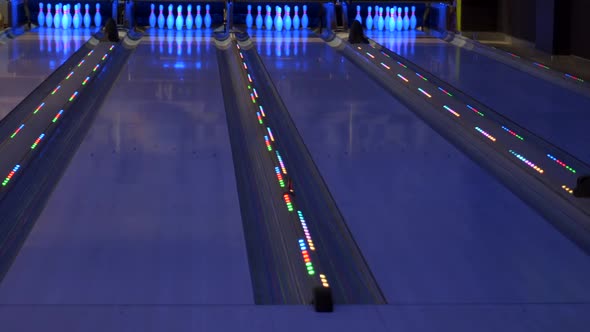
(143, 232)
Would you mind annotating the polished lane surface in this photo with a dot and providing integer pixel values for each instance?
(29, 59)
(434, 227)
(556, 114)
(147, 212)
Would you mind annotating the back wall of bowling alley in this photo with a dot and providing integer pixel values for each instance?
(44, 12)
(143, 9)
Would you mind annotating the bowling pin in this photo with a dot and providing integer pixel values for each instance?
(161, 18)
(268, 19)
(179, 18)
(413, 21)
(87, 20)
(189, 18)
(198, 18)
(406, 19)
(376, 17)
(57, 17)
(369, 20)
(41, 15)
(49, 17)
(296, 20)
(274, 20)
(259, 18)
(249, 19)
(207, 16)
(358, 15)
(381, 22)
(64, 17)
(77, 21)
(97, 17)
(386, 19)
(152, 15)
(391, 26)
(287, 19)
(279, 24)
(170, 18)
(304, 18)
(400, 22)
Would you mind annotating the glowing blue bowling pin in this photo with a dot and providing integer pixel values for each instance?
(179, 18)
(274, 20)
(152, 16)
(198, 18)
(406, 19)
(386, 18)
(77, 21)
(87, 20)
(279, 19)
(400, 22)
(41, 15)
(161, 18)
(358, 14)
(381, 21)
(369, 20)
(268, 19)
(57, 17)
(64, 17)
(413, 21)
(97, 17)
(376, 17)
(259, 18)
(49, 17)
(391, 26)
(304, 18)
(189, 18)
(296, 20)
(170, 18)
(207, 16)
(287, 21)
(249, 19)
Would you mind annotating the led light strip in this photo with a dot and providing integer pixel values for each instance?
(475, 110)
(561, 163)
(568, 189)
(490, 137)
(422, 77)
(574, 78)
(513, 133)
(37, 141)
(384, 65)
(526, 161)
(445, 91)
(10, 175)
(403, 78)
(17, 130)
(540, 65)
(371, 55)
(452, 111)
(279, 172)
(424, 93)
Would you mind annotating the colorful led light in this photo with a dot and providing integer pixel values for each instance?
(57, 116)
(526, 161)
(288, 202)
(384, 65)
(513, 133)
(55, 90)
(387, 55)
(245, 66)
(95, 67)
(268, 146)
(104, 57)
(403, 78)
(492, 138)
(262, 110)
(568, 189)
(561, 163)
(540, 65)
(241, 55)
(324, 280)
(280, 177)
(249, 78)
(89, 53)
(422, 77)
(475, 110)
(17, 130)
(574, 78)
(81, 62)
(255, 93)
(305, 230)
(74, 95)
(38, 108)
(401, 64)
(111, 48)
(37, 141)
(371, 55)
(259, 117)
(253, 98)
(306, 259)
(272, 138)
(514, 55)
(86, 80)
(425, 93)
(452, 111)
(445, 91)
(281, 162)
(69, 75)
(10, 175)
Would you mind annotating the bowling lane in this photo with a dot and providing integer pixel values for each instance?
(552, 112)
(433, 226)
(29, 59)
(147, 212)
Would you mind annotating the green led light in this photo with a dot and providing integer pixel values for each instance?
(308, 264)
(290, 207)
(311, 273)
(282, 183)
